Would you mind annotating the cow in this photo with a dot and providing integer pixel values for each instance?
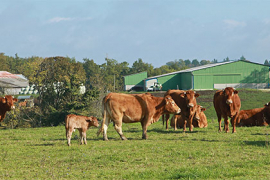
(82, 123)
(125, 108)
(23, 103)
(6, 104)
(199, 119)
(254, 117)
(227, 103)
(186, 100)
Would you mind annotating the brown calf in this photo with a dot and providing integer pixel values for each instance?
(82, 123)
(199, 119)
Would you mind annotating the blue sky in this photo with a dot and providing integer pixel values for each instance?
(157, 31)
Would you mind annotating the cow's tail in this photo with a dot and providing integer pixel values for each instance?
(103, 122)
(66, 121)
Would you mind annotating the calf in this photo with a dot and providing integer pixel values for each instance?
(199, 119)
(82, 123)
(254, 117)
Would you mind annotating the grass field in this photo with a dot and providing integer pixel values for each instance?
(42, 153)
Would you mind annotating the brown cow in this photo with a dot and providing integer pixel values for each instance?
(199, 119)
(254, 117)
(227, 104)
(186, 100)
(6, 104)
(143, 108)
(82, 123)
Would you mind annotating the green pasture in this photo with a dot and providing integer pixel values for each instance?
(42, 153)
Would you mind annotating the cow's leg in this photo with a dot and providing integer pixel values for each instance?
(144, 127)
(167, 116)
(175, 121)
(219, 123)
(185, 125)
(69, 135)
(105, 128)
(226, 124)
(190, 122)
(84, 136)
(118, 128)
(233, 122)
(81, 136)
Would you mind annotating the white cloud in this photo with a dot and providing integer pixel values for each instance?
(60, 19)
(231, 24)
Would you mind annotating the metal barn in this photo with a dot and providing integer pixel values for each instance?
(238, 74)
(135, 81)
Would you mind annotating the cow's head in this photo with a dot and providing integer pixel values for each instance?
(171, 106)
(92, 121)
(229, 93)
(190, 97)
(199, 116)
(9, 101)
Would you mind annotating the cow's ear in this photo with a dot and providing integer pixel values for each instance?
(4, 100)
(15, 99)
(89, 120)
(182, 94)
(197, 95)
(235, 92)
(267, 104)
(203, 109)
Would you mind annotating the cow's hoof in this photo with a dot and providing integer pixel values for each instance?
(105, 139)
(144, 137)
(124, 138)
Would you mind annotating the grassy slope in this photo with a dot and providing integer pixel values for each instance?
(42, 153)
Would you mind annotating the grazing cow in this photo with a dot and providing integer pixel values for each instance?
(199, 119)
(227, 104)
(254, 117)
(143, 108)
(23, 103)
(82, 123)
(6, 104)
(186, 100)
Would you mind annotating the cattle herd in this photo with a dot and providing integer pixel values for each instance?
(145, 108)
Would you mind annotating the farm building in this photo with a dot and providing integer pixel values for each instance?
(135, 81)
(12, 83)
(238, 74)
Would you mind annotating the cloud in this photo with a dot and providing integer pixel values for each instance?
(61, 19)
(232, 24)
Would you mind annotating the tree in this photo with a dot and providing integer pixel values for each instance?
(195, 62)
(214, 61)
(188, 63)
(58, 82)
(226, 59)
(242, 58)
(266, 62)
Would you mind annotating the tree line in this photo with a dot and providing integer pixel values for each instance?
(58, 81)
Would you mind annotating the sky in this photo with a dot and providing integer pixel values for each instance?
(157, 31)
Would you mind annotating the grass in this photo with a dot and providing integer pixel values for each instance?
(42, 153)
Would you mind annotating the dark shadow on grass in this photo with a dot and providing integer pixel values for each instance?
(257, 143)
(48, 144)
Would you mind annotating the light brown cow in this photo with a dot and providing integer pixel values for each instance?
(186, 100)
(227, 103)
(143, 108)
(254, 117)
(6, 104)
(199, 119)
(82, 123)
